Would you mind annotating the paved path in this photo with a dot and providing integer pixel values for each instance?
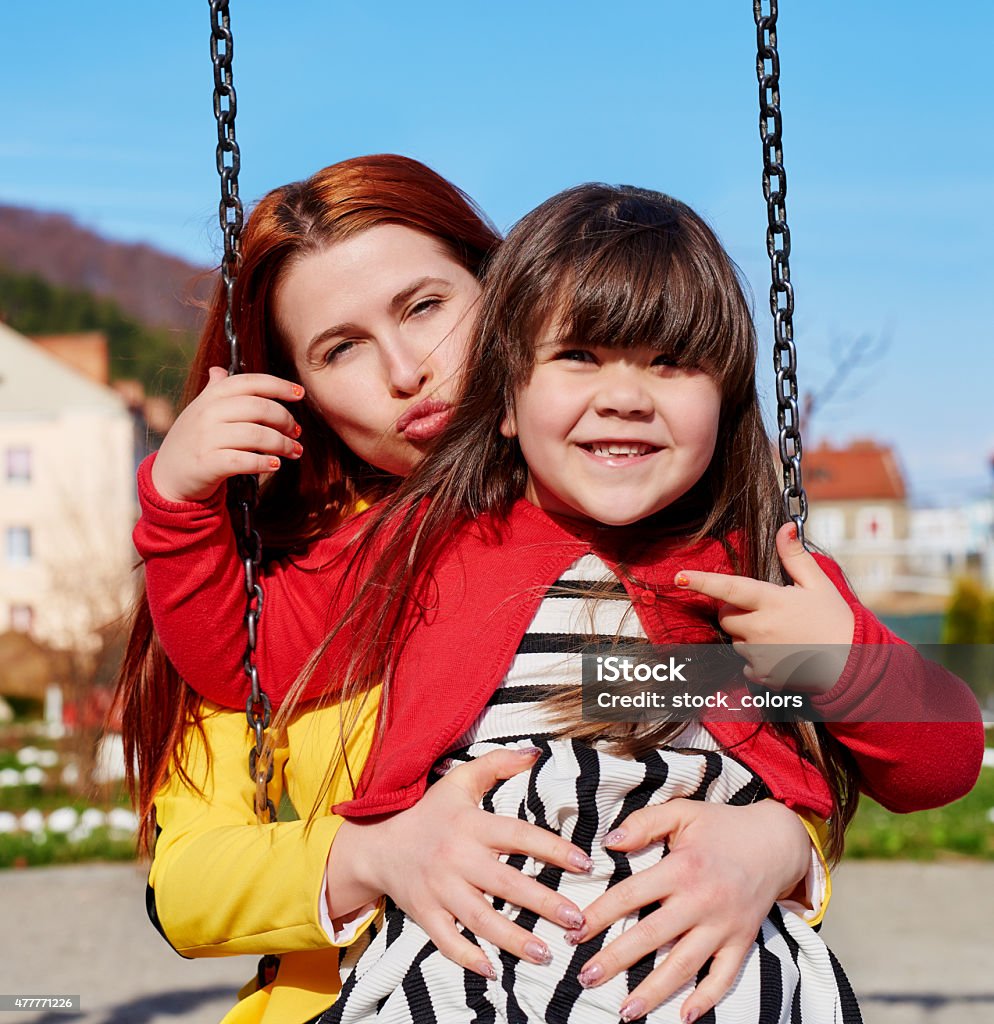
(916, 940)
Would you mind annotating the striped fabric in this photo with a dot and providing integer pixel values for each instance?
(395, 975)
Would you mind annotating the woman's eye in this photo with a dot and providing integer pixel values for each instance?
(337, 351)
(423, 306)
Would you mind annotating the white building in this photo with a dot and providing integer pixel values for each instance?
(67, 500)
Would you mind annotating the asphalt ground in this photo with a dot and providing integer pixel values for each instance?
(917, 941)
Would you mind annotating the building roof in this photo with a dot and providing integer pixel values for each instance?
(33, 382)
(862, 471)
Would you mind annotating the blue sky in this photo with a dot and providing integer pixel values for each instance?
(888, 140)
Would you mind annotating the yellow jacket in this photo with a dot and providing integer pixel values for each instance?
(222, 884)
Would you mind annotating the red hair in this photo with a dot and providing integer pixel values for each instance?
(308, 498)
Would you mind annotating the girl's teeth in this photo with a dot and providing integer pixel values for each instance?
(607, 451)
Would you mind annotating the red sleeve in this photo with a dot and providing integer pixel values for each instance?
(929, 752)
(196, 593)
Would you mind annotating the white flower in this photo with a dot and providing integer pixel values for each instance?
(33, 821)
(70, 775)
(47, 758)
(33, 776)
(8, 822)
(92, 818)
(64, 819)
(10, 777)
(122, 820)
(28, 755)
(79, 833)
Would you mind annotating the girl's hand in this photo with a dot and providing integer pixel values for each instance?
(726, 867)
(798, 635)
(235, 425)
(437, 859)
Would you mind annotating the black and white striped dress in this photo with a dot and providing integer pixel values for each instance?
(395, 974)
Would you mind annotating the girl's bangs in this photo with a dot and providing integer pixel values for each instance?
(664, 286)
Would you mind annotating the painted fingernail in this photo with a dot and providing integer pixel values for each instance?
(591, 975)
(681, 580)
(297, 390)
(581, 861)
(486, 968)
(274, 463)
(538, 952)
(528, 751)
(617, 836)
(574, 938)
(792, 533)
(570, 916)
(690, 1016)
(632, 1010)
(297, 448)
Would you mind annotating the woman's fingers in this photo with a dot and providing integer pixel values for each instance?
(511, 885)
(262, 384)
(722, 973)
(441, 928)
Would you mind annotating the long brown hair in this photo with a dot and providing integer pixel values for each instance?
(616, 267)
(309, 497)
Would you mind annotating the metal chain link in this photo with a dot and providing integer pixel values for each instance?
(778, 248)
(243, 491)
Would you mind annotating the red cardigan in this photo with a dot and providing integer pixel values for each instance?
(490, 581)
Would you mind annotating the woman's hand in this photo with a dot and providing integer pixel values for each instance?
(726, 868)
(439, 858)
(797, 636)
(235, 425)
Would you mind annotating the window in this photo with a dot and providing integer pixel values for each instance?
(22, 618)
(18, 465)
(875, 523)
(18, 545)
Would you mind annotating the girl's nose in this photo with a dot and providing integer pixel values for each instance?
(621, 393)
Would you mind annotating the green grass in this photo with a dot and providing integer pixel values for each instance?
(961, 828)
(20, 851)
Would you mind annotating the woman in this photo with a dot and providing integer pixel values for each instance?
(359, 286)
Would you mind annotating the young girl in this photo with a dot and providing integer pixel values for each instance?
(609, 441)
(340, 248)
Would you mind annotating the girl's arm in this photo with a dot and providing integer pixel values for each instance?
(913, 728)
(196, 592)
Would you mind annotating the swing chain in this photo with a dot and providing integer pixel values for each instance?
(778, 249)
(243, 491)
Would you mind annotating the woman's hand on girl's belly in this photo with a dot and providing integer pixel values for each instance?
(716, 886)
(439, 859)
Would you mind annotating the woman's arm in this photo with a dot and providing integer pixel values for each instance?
(221, 883)
(436, 860)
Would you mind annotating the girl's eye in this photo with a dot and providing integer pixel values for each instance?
(337, 351)
(576, 355)
(665, 360)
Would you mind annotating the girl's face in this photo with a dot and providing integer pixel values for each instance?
(612, 435)
(377, 326)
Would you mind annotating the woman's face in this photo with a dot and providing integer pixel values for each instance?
(377, 327)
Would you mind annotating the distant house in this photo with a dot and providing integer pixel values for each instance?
(67, 501)
(859, 514)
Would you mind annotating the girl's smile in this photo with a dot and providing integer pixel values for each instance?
(612, 435)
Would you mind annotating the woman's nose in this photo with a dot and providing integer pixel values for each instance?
(408, 372)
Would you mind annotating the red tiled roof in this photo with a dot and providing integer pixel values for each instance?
(862, 471)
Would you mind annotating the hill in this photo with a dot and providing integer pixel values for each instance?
(148, 286)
